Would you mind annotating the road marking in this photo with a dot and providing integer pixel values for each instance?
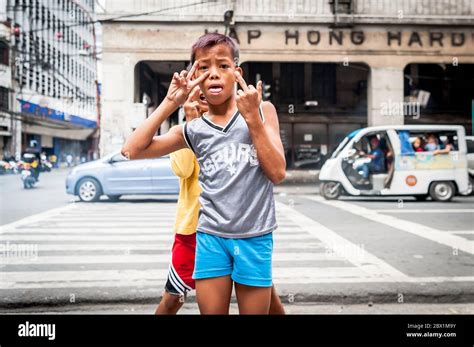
(355, 254)
(146, 258)
(441, 237)
(302, 245)
(461, 232)
(306, 239)
(129, 246)
(36, 217)
(54, 237)
(156, 278)
(53, 279)
(111, 219)
(406, 210)
(66, 224)
(118, 229)
(129, 237)
(93, 231)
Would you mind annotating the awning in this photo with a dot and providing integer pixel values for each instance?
(59, 129)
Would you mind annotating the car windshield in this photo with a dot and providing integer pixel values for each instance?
(340, 147)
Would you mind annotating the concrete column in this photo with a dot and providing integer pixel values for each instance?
(117, 100)
(385, 96)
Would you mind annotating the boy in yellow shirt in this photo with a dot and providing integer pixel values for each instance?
(186, 167)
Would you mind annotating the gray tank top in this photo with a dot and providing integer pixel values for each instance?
(237, 198)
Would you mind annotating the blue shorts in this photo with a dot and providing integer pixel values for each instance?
(248, 261)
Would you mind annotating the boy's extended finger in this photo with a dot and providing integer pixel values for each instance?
(259, 88)
(194, 95)
(193, 70)
(241, 81)
(199, 79)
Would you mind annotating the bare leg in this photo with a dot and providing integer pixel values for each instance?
(276, 306)
(253, 300)
(213, 295)
(169, 304)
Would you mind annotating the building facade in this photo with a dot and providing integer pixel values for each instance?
(53, 93)
(329, 66)
(5, 84)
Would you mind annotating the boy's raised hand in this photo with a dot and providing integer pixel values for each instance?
(191, 106)
(248, 98)
(183, 83)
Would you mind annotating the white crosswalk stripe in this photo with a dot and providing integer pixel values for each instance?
(121, 245)
(447, 239)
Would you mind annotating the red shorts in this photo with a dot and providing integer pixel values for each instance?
(180, 275)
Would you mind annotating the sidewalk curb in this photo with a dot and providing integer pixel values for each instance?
(344, 294)
(301, 177)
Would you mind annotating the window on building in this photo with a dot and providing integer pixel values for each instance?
(446, 88)
(323, 83)
(341, 6)
(4, 104)
(4, 53)
(37, 10)
(291, 77)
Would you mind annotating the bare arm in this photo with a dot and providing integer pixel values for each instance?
(265, 137)
(142, 143)
(448, 149)
(267, 141)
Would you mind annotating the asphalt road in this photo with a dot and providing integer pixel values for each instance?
(352, 252)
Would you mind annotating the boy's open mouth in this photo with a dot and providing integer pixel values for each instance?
(215, 89)
(202, 99)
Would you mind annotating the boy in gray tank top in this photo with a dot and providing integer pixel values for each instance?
(241, 156)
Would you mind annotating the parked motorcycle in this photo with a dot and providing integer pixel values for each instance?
(14, 166)
(46, 165)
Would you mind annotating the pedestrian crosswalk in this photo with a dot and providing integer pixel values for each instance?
(128, 245)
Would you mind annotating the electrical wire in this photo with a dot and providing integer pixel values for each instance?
(111, 19)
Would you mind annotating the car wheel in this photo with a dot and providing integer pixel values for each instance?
(330, 190)
(114, 198)
(442, 191)
(89, 190)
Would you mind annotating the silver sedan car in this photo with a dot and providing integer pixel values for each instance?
(113, 176)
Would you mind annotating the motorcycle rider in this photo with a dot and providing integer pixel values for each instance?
(35, 164)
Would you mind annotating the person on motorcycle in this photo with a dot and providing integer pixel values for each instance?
(35, 165)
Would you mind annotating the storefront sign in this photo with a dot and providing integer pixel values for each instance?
(393, 38)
